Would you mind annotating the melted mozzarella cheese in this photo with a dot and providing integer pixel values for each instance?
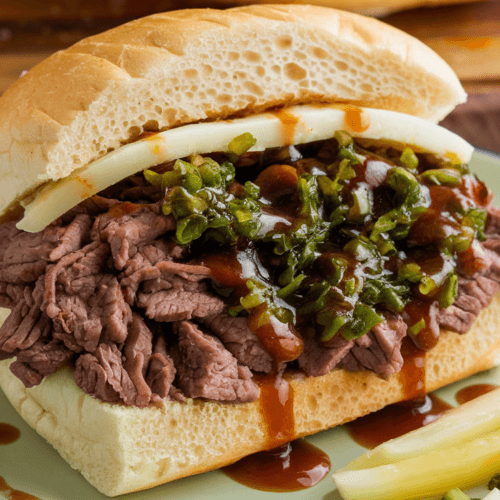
(294, 125)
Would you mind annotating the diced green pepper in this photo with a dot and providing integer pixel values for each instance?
(443, 177)
(417, 327)
(409, 158)
(343, 138)
(190, 228)
(449, 291)
(241, 144)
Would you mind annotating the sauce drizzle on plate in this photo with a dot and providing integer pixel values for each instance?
(8, 433)
(395, 420)
(291, 467)
(13, 494)
(473, 391)
(285, 466)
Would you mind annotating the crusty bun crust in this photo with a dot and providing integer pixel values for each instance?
(123, 449)
(180, 67)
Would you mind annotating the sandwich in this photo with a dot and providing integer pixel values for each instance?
(224, 230)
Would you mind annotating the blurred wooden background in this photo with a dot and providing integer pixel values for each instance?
(467, 36)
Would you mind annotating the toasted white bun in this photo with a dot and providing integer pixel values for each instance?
(181, 67)
(123, 449)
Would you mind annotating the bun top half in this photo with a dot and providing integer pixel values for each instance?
(175, 68)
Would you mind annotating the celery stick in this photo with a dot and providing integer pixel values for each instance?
(459, 425)
(494, 494)
(430, 475)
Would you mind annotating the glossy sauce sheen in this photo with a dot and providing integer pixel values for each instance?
(289, 122)
(412, 374)
(14, 494)
(276, 404)
(8, 433)
(291, 467)
(233, 270)
(353, 119)
(473, 391)
(395, 420)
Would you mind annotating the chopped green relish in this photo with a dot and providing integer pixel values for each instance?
(341, 231)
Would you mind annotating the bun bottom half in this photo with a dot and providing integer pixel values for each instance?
(121, 449)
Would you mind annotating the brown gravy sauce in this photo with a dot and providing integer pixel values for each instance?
(276, 404)
(232, 270)
(412, 374)
(289, 123)
(395, 420)
(354, 118)
(14, 494)
(285, 466)
(293, 466)
(473, 391)
(8, 433)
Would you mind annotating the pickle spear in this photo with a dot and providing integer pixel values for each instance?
(429, 475)
(459, 425)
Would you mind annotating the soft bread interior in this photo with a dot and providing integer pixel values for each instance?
(171, 69)
(123, 449)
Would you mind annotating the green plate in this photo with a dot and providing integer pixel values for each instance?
(33, 466)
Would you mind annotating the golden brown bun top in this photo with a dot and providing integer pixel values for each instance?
(180, 67)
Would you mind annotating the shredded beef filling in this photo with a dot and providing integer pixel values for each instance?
(111, 289)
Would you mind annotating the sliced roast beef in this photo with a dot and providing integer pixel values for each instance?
(8, 231)
(319, 358)
(39, 361)
(137, 352)
(109, 377)
(473, 296)
(32, 247)
(240, 341)
(493, 221)
(10, 294)
(51, 244)
(380, 351)
(26, 323)
(22, 273)
(73, 237)
(125, 232)
(92, 206)
(177, 304)
(52, 275)
(455, 319)
(102, 375)
(103, 317)
(145, 266)
(161, 373)
(80, 277)
(179, 293)
(205, 369)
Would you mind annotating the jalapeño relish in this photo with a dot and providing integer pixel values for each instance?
(339, 232)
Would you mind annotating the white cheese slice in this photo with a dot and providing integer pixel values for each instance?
(294, 125)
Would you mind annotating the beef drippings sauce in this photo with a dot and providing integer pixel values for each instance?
(470, 392)
(8, 433)
(13, 494)
(290, 467)
(395, 420)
